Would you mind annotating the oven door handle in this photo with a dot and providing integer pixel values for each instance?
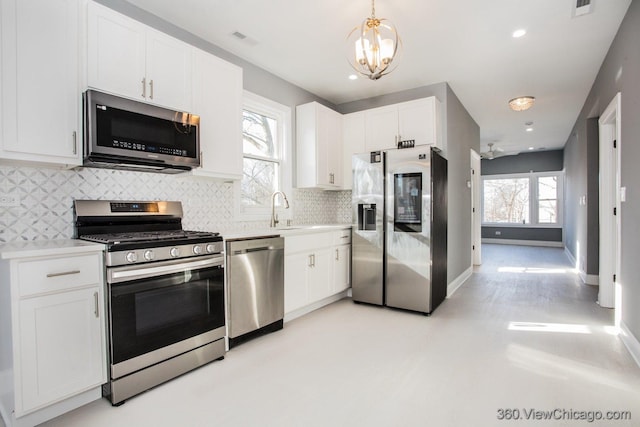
(117, 276)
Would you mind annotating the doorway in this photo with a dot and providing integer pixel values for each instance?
(610, 145)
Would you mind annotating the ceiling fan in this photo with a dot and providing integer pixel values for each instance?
(492, 153)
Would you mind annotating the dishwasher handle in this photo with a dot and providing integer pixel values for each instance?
(248, 250)
(245, 246)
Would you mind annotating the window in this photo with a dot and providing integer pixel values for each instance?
(265, 139)
(524, 199)
(547, 199)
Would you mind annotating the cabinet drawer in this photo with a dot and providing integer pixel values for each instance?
(342, 237)
(307, 242)
(55, 274)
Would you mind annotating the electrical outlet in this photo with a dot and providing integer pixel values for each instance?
(9, 200)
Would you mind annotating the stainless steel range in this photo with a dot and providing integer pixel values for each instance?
(165, 292)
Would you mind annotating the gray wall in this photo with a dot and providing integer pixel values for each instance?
(518, 233)
(620, 72)
(460, 134)
(541, 161)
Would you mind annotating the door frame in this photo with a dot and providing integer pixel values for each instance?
(610, 232)
(476, 217)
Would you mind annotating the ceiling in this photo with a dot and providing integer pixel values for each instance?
(467, 43)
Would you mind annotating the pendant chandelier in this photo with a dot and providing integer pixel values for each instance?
(375, 44)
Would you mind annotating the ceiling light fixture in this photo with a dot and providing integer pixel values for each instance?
(353, 77)
(376, 43)
(521, 103)
(529, 129)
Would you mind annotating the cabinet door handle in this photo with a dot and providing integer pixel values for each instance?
(144, 87)
(151, 89)
(96, 309)
(75, 142)
(64, 273)
(337, 255)
(309, 263)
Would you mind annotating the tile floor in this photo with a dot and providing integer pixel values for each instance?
(523, 333)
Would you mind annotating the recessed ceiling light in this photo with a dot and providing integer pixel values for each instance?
(353, 77)
(519, 33)
(529, 129)
(530, 148)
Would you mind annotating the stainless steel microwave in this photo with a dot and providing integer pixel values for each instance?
(121, 133)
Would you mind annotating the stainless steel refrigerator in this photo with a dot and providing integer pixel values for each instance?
(400, 228)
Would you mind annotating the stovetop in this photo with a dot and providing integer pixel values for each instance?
(149, 236)
(141, 231)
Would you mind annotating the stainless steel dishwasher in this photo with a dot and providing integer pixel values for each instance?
(255, 287)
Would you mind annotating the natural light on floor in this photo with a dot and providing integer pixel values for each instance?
(548, 327)
(535, 270)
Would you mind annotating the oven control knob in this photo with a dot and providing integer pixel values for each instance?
(132, 257)
(174, 252)
(148, 255)
(197, 249)
(211, 248)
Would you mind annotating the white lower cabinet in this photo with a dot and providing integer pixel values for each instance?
(318, 275)
(60, 346)
(317, 266)
(341, 269)
(52, 333)
(295, 280)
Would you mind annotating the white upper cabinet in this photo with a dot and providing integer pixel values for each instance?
(353, 141)
(381, 126)
(417, 120)
(319, 147)
(130, 59)
(217, 98)
(40, 101)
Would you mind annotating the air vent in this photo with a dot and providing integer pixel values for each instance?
(582, 7)
(241, 37)
(238, 35)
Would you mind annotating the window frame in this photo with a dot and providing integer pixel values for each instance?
(533, 199)
(282, 115)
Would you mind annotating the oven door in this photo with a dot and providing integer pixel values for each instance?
(161, 310)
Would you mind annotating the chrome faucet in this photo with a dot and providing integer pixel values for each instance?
(274, 217)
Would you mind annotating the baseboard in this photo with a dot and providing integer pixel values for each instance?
(523, 242)
(572, 259)
(314, 306)
(587, 279)
(459, 281)
(631, 342)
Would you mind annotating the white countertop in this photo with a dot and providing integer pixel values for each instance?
(40, 248)
(285, 231)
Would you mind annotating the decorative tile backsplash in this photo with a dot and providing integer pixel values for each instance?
(46, 200)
